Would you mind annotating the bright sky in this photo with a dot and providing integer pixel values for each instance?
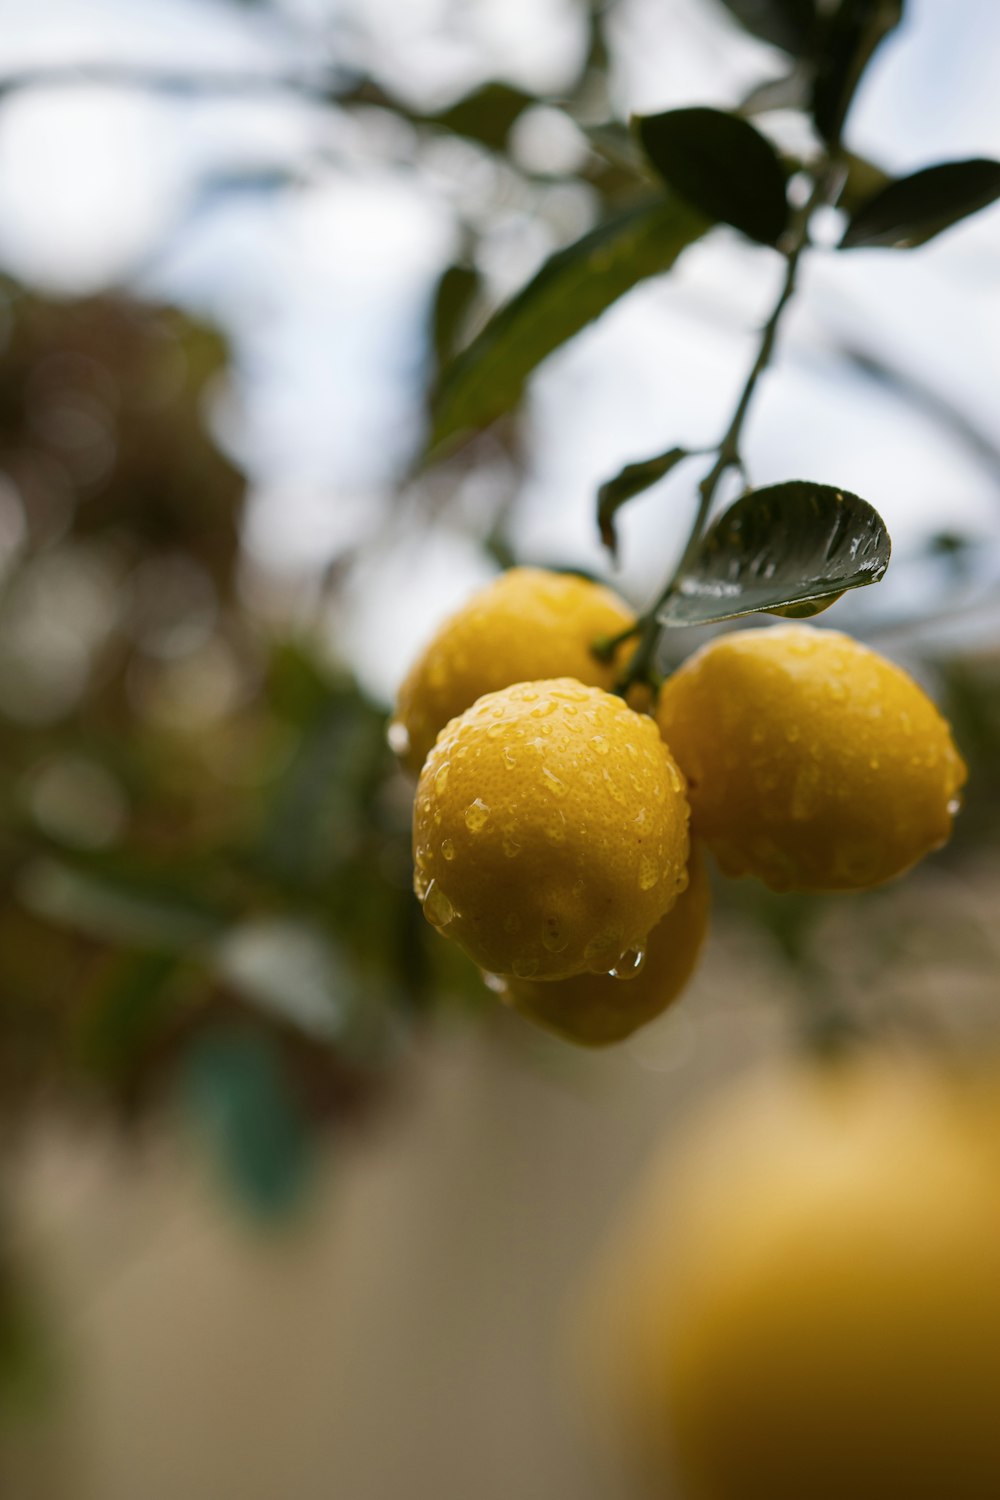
(324, 287)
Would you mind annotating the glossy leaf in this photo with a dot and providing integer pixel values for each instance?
(630, 481)
(575, 286)
(914, 209)
(787, 544)
(723, 166)
(847, 41)
(789, 24)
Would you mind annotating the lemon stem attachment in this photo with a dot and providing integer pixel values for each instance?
(827, 180)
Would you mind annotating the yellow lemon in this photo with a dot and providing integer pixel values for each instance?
(550, 830)
(527, 625)
(595, 1010)
(812, 762)
(805, 1304)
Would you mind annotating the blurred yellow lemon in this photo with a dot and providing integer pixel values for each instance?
(550, 830)
(805, 1304)
(527, 625)
(812, 762)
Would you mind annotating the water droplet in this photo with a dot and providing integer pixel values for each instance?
(628, 964)
(553, 937)
(631, 750)
(437, 908)
(613, 787)
(421, 882)
(476, 815)
(557, 787)
(509, 758)
(555, 831)
(649, 872)
(399, 738)
(954, 807)
(529, 695)
(600, 744)
(674, 777)
(441, 779)
(542, 710)
(578, 888)
(448, 849)
(496, 983)
(510, 846)
(525, 967)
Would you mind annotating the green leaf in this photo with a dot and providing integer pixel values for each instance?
(789, 24)
(722, 166)
(486, 115)
(136, 1002)
(785, 545)
(630, 481)
(914, 209)
(575, 286)
(109, 905)
(241, 1103)
(847, 41)
(455, 294)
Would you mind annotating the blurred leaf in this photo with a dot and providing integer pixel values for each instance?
(914, 209)
(291, 970)
(571, 289)
(126, 1014)
(137, 913)
(789, 24)
(630, 481)
(486, 115)
(455, 294)
(242, 1105)
(849, 36)
(784, 545)
(793, 91)
(863, 180)
(720, 164)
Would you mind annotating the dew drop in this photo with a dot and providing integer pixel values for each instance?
(954, 807)
(600, 744)
(529, 696)
(441, 779)
(628, 964)
(525, 968)
(495, 982)
(447, 849)
(578, 888)
(421, 883)
(437, 908)
(398, 737)
(476, 815)
(555, 831)
(509, 758)
(649, 872)
(557, 787)
(553, 937)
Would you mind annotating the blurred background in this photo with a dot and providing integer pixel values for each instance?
(289, 1205)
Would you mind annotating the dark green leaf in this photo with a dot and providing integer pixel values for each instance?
(452, 301)
(862, 181)
(788, 544)
(914, 209)
(789, 24)
(241, 1103)
(848, 39)
(629, 481)
(722, 166)
(571, 289)
(486, 114)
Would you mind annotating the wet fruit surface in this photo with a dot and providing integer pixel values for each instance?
(550, 830)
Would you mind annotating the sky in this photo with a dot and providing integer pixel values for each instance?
(323, 287)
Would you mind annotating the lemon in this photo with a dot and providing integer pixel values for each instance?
(595, 1010)
(550, 830)
(805, 1304)
(526, 625)
(812, 762)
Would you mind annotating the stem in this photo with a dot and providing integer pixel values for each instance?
(640, 667)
